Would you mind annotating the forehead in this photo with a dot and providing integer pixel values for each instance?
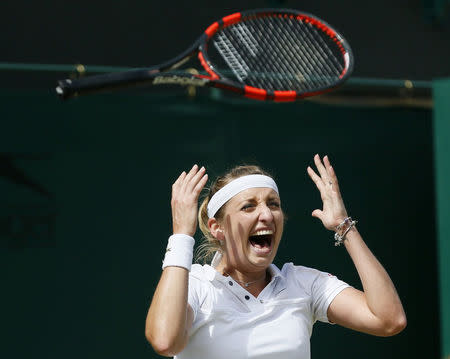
(259, 194)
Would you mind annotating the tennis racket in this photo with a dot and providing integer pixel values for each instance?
(264, 54)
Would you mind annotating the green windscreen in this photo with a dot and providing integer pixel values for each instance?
(85, 210)
(441, 117)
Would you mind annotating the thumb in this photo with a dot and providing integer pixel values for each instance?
(317, 213)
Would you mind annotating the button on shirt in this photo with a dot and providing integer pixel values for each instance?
(229, 322)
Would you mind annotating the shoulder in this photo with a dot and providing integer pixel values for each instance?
(306, 277)
(197, 271)
(199, 284)
(200, 273)
(290, 270)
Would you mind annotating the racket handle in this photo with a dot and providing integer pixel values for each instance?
(71, 88)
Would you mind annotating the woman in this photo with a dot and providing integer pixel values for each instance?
(242, 305)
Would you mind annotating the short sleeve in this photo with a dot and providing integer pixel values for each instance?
(194, 289)
(324, 289)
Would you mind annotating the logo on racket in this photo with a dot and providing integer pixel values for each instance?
(179, 80)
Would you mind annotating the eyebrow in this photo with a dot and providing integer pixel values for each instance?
(253, 198)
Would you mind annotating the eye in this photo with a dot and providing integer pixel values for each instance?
(274, 204)
(247, 207)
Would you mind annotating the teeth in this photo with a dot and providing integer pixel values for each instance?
(263, 232)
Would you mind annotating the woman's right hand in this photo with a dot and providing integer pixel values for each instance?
(185, 193)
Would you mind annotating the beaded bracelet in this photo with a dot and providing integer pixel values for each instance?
(342, 230)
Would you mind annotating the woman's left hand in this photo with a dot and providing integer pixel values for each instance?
(333, 212)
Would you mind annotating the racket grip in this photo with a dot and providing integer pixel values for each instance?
(69, 88)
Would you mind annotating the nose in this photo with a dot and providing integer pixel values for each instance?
(265, 214)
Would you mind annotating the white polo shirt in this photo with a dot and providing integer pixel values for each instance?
(230, 323)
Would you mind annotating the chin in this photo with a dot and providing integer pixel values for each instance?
(261, 261)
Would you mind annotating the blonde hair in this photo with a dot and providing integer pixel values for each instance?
(210, 244)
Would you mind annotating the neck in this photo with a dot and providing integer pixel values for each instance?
(254, 282)
(246, 284)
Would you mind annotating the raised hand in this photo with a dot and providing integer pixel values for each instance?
(333, 212)
(185, 193)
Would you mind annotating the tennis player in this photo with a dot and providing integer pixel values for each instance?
(242, 305)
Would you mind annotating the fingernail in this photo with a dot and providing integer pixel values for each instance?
(203, 168)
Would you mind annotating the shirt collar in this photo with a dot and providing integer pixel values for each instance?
(276, 274)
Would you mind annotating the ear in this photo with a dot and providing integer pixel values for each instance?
(216, 229)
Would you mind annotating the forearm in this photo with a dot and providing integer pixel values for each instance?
(169, 316)
(167, 320)
(379, 291)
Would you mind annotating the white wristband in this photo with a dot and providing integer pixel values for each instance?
(179, 252)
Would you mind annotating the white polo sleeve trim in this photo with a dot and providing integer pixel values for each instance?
(324, 289)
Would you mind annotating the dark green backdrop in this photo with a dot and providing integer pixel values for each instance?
(81, 263)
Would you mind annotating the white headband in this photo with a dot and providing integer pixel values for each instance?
(240, 184)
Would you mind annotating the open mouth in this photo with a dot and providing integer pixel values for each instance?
(261, 241)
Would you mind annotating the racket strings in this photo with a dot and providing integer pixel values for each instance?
(311, 67)
(314, 66)
(269, 76)
(289, 50)
(279, 54)
(272, 58)
(314, 63)
(319, 70)
(275, 73)
(333, 66)
(231, 56)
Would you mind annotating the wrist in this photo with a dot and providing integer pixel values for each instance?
(183, 230)
(179, 251)
(351, 234)
(343, 229)
(340, 220)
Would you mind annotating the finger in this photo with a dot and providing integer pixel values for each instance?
(327, 164)
(334, 179)
(319, 184)
(190, 174)
(329, 168)
(181, 177)
(321, 168)
(317, 213)
(336, 193)
(179, 180)
(195, 179)
(198, 188)
(316, 179)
